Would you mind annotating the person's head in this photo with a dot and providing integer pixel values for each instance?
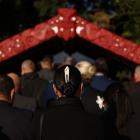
(137, 74)
(101, 65)
(67, 81)
(69, 61)
(27, 66)
(117, 99)
(86, 69)
(47, 62)
(16, 80)
(6, 88)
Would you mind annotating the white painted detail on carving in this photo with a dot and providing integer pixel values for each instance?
(55, 29)
(18, 45)
(131, 54)
(57, 20)
(117, 39)
(125, 49)
(52, 22)
(0, 52)
(61, 29)
(73, 18)
(116, 45)
(3, 55)
(83, 22)
(17, 40)
(77, 21)
(72, 29)
(61, 18)
(9, 49)
(79, 29)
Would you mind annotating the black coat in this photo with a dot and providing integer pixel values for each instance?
(33, 86)
(132, 129)
(89, 97)
(110, 129)
(15, 123)
(46, 74)
(65, 119)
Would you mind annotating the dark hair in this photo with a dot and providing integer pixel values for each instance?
(48, 58)
(101, 65)
(69, 88)
(6, 84)
(117, 98)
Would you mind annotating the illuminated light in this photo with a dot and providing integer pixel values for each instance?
(72, 29)
(61, 18)
(73, 18)
(61, 29)
(79, 29)
(55, 29)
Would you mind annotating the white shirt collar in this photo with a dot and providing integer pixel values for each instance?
(99, 74)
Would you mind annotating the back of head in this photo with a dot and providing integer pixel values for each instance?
(117, 98)
(27, 66)
(47, 62)
(48, 58)
(86, 69)
(6, 85)
(101, 65)
(67, 80)
(16, 80)
(69, 61)
(137, 73)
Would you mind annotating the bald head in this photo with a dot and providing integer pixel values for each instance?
(16, 80)
(137, 73)
(27, 66)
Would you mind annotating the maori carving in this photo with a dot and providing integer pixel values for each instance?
(68, 25)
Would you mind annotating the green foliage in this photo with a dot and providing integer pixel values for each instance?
(128, 17)
(48, 8)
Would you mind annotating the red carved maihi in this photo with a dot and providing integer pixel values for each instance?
(67, 25)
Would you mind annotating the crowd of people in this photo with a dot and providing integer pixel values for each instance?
(70, 101)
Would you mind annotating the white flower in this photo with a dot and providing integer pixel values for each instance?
(100, 101)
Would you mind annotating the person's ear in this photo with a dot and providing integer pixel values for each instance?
(54, 88)
(57, 92)
(12, 94)
(136, 77)
(22, 70)
(81, 88)
(53, 65)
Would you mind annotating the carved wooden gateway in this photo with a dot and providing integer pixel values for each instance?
(68, 25)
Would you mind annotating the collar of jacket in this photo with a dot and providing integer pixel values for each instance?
(65, 101)
(99, 74)
(30, 75)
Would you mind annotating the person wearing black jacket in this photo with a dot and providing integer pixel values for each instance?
(65, 118)
(31, 84)
(89, 94)
(15, 124)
